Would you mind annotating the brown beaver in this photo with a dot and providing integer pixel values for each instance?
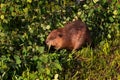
(74, 35)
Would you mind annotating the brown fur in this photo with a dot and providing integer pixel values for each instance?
(73, 36)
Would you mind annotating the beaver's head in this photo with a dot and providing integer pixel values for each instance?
(55, 39)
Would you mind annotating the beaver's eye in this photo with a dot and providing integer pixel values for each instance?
(60, 35)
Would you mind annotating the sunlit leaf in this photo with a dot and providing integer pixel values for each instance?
(47, 71)
(2, 16)
(95, 1)
(115, 12)
(29, 1)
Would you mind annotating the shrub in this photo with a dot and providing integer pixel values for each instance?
(25, 24)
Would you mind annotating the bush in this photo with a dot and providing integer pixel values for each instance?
(25, 24)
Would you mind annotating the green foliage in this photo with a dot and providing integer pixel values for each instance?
(24, 25)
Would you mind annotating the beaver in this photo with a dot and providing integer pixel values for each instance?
(72, 36)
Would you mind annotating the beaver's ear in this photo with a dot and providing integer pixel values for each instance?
(60, 35)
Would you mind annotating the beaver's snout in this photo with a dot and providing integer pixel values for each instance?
(46, 41)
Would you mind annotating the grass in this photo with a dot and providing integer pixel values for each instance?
(100, 63)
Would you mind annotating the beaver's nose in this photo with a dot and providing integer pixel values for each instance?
(46, 41)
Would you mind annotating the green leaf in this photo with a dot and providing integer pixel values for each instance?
(118, 5)
(44, 58)
(13, 14)
(58, 66)
(111, 19)
(35, 58)
(3, 7)
(2, 17)
(11, 9)
(104, 1)
(17, 59)
(41, 49)
(24, 50)
(109, 36)
(47, 71)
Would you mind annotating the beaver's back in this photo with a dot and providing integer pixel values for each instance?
(78, 33)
